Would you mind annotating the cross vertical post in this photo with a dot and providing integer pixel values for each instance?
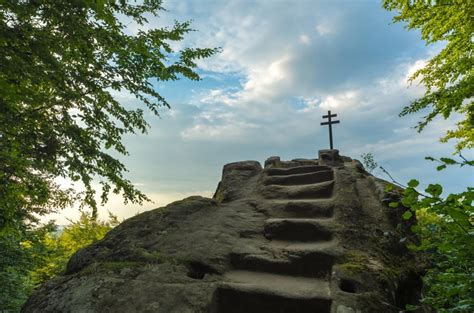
(329, 123)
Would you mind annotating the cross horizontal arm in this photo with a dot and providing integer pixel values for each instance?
(332, 115)
(330, 123)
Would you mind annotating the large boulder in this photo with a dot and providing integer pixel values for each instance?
(294, 237)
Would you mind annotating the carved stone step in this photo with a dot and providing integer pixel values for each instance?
(255, 292)
(297, 247)
(298, 208)
(300, 179)
(301, 263)
(296, 229)
(313, 191)
(295, 170)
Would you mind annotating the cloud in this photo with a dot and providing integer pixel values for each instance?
(304, 39)
(323, 29)
(406, 143)
(282, 66)
(260, 106)
(341, 101)
(227, 130)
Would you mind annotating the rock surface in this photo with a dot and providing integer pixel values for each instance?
(294, 237)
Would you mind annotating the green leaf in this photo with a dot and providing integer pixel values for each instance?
(413, 183)
(407, 215)
(458, 215)
(441, 167)
(448, 161)
(410, 307)
(415, 228)
(393, 204)
(445, 247)
(434, 189)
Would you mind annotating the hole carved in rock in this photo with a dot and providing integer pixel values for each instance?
(198, 270)
(348, 285)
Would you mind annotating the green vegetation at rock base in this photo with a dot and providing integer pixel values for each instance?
(445, 222)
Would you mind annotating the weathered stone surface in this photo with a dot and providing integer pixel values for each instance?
(237, 180)
(330, 157)
(294, 237)
(272, 161)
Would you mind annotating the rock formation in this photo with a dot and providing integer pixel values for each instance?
(294, 237)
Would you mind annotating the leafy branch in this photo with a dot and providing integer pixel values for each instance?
(446, 229)
(445, 162)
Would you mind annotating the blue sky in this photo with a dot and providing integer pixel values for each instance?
(284, 64)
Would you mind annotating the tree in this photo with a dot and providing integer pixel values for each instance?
(61, 244)
(60, 64)
(446, 229)
(47, 250)
(449, 75)
(368, 161)
(445, 223)
(20, 254)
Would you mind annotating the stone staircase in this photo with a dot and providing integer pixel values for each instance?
(294, 275)
(299, 236)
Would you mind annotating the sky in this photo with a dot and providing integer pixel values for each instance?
(283, 65)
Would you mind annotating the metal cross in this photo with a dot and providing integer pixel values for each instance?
(330, 122)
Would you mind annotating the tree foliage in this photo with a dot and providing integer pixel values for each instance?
(61, 244)
(62, 63)
(449, 75)
(18, 257)
(445, 235)
(43, 254)
(445, 223)
(368, 161)
(446, 229)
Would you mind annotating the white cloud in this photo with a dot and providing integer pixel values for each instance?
(323, 29)
(304, 39)
(263, 104)
(263, 82)
(406, 142)
(230, 131)
(419, 64)
(341, 101)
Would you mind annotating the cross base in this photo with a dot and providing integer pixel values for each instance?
(329, 157)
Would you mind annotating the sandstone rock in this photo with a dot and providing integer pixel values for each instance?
(272, 161)
(330, 157)
(294, 237)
